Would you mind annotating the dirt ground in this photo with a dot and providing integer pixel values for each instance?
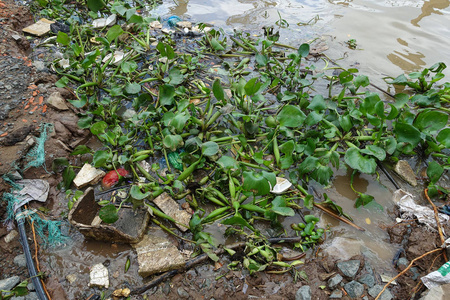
(24, 91)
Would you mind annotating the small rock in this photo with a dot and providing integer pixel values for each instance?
(99, 276)
(16, 37)
(39, 65)
(11, 236)
(349, 268)
(334, 281)
(303, 293)
(336, 294)
(375, 290)
(184, 24)
(367, 279)
(182, 293)
(155, 25)
(415, 272)
(39, 28)
(441, 292)
(354, 289)
(31, 296)
(344, 248)
(9, 283)
(57, 101)
(30, 286)
(88, 175)
(404, 170)
(20, 260)
(402, 262)
(71, 278)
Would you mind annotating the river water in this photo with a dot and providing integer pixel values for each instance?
(392, 36)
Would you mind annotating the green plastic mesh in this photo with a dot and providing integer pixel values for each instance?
(36, 156)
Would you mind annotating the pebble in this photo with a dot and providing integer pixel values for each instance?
(11, 236)
(336, 294)
(20, 260)
(9, 283)
(182, 293)
(71, 278)
(349, 268)
(303, 293)
(374, 291)
(354, 289)
(334, 281)
(368, 280)
(30, 286)
(402, 262)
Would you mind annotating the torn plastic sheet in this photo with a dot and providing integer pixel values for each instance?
(437, 278)
(410, 209)
(33, 189)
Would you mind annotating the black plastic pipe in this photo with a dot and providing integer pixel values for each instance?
(30, 264)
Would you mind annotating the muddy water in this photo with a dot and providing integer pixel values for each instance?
(393, 36)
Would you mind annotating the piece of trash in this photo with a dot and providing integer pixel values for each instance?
(157, 254)
(112, 178)
(64, 63)
(39, 28)
(103, 22)
(88, 175)
(84, 216)
(404, 170)
(439, 277)
(172, 209)
(59, 26)
(11, 236)
(99, 276)
(118, 57)
(282, 186)
(121, 292)
(155, 25)
(32, 189)
(385, 278)
(173, 20)
(71, 278)
(368, 221)
(410, 209)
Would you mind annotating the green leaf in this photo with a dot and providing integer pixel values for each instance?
(252, 86)
(237, 220)
(175, 76)
(258, 183)
(85, 122)
(99, 127)
(165, 50)
(100, 158)
(216, 45)
(81, 149)
(218, 90)
(317, 104)
(357, 161)
(431, 121)
(210, 148)
(95, 5)
(291, 116)
(166, 94)
(279, 207)
(63, 38)
(132, 88)
(261, 59)
(322, 174)
(303, 50)
(172, 141)
(373, 150)
(179, 121)
(227, 162)
(68, 177)
(434, 171)
(128, 66)
(108, 214)
(407, 133)
(62, 82)
(114, 33)
(345, 122)
(135, 193)
(444, 137)
(308, 165)
(363, 200)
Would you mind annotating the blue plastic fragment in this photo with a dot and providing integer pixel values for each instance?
(173, 20)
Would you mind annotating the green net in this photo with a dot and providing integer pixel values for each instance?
(36, 156)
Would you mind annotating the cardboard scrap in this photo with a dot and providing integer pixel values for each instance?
(39, 28)
(172, 209)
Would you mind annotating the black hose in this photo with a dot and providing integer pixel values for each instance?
(388, 175)
(26, 249)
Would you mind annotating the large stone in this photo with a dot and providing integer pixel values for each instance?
(9, 283)
(172, 209)
(39, 28)
(354, 289)
(156, 254)
(367, 279)
(375, 290)
(303, 293)
(441, 292)
(57, 101)
(99, 276)
(349, 268)
(404, 170)
(88, 175)
(20, 260)
(343, 248)
(334, 281)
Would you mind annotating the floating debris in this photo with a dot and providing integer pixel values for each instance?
(99, 276)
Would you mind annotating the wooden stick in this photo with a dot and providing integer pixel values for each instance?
(331, 213)
(436, 217)
(405, 270)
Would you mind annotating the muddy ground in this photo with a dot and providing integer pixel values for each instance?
(26, 84)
